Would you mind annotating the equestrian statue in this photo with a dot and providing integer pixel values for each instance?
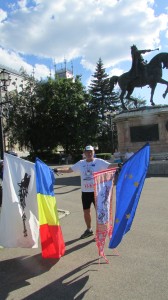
(141, 74)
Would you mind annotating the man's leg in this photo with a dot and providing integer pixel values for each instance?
(87, 200)
(87, 217)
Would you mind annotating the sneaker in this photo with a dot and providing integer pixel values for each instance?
(86, 234)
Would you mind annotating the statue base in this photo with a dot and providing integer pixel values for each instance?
(146, 124)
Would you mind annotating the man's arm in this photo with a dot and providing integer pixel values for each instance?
(148, 50)
(62, 170)
(111, 166)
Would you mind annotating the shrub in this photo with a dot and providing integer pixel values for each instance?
(45, 156)
(76, 157)
(104, 155)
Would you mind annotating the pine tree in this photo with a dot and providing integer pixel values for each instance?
(101, 102)
(100, 90)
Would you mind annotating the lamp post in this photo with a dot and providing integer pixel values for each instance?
(111, 115)
(4, 83)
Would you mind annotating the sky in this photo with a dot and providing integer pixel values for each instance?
(41, 35)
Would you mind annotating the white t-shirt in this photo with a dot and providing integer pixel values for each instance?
(87, 169)
(128, 155)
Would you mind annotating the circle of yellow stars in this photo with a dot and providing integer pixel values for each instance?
(136, 184)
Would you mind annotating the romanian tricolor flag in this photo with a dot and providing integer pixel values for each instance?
(52, 242)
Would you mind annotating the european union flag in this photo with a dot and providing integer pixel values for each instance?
(128, 190)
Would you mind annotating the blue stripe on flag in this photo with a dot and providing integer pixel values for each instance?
(44, 178)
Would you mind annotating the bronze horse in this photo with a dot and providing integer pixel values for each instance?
(153, 75)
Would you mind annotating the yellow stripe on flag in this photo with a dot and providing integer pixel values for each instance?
(47, 210)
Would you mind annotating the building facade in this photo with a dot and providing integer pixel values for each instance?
(64, 73)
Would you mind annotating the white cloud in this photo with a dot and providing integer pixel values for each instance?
(12, 60)
(116, 71)
(87, 29)
(22, 4)
(41, 71)
(3, 15)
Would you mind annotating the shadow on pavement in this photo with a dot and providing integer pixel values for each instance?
(78, 246)
(15, 272)
(66, 288)
(71, 242)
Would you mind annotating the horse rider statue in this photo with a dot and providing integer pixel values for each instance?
(136, 77)
(138, 69)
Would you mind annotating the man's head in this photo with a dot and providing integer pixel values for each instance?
(89, 152)
(133, 47)
(89, 148)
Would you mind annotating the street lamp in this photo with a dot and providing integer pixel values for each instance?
(111, 115)
(4, 83)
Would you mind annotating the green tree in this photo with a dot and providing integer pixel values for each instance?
(21, 121)
(49, 113)
(100, 91)
(68, 107)
(101, 102)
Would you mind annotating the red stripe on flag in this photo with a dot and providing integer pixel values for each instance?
(52, 242)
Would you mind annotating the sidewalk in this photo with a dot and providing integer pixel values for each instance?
(139, 273)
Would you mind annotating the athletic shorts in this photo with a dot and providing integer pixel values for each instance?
(87, 199)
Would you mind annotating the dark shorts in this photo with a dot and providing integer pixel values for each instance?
(87, 199)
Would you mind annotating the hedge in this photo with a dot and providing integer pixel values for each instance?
(104, 155)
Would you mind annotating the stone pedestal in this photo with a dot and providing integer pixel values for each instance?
(137, 127)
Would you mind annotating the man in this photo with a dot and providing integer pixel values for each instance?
(138, 63)
(128, 154)
(86, 168)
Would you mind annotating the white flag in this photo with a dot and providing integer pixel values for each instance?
(19, 226)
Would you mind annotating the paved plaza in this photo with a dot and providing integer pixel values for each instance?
(140, 272)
